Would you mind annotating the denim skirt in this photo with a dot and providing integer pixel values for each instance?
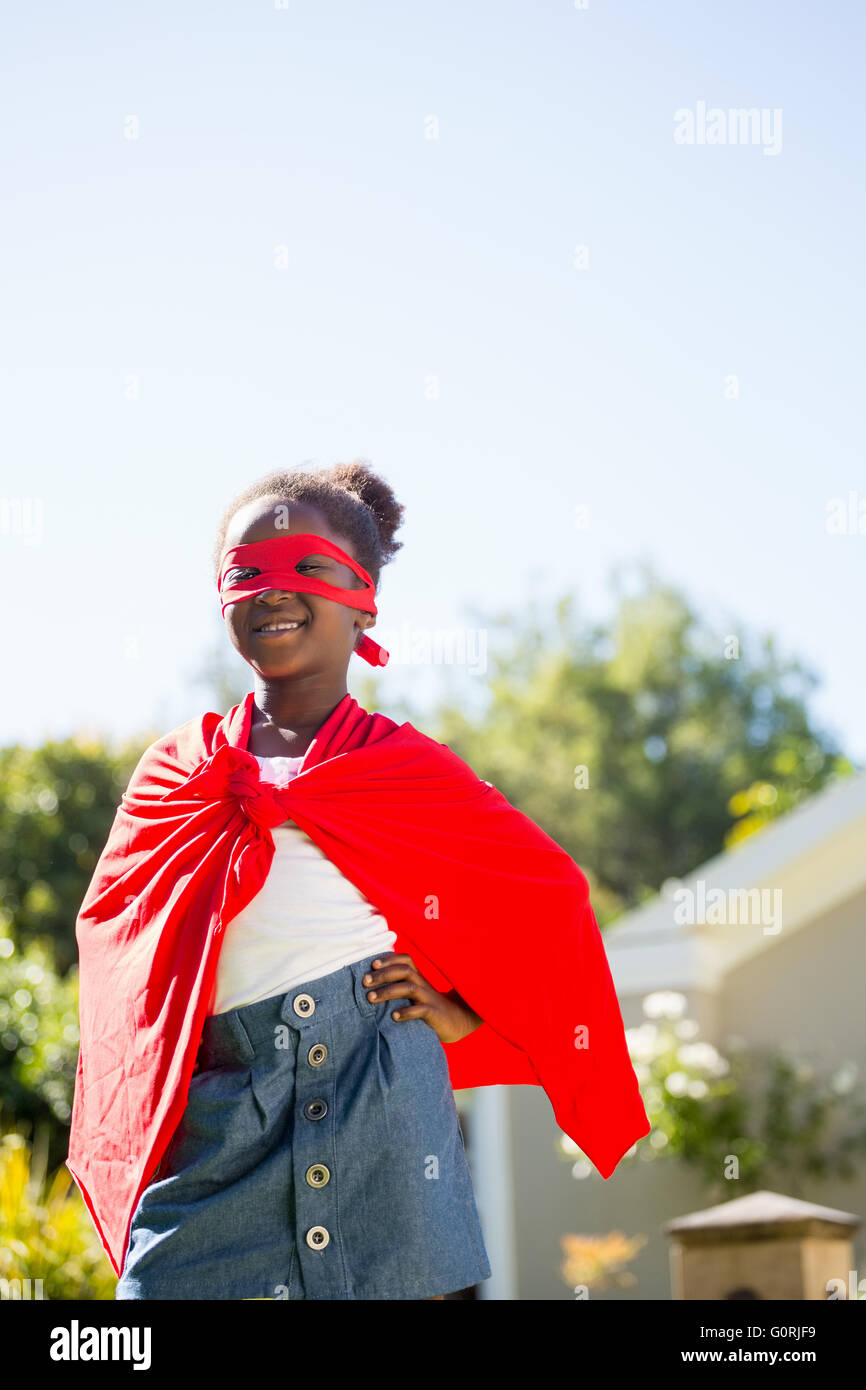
(319, 1156)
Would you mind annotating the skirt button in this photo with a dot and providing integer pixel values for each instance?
(317, 1237)
(317, 1054)
(317, 1175)
(316, 1109)
(304, 1005)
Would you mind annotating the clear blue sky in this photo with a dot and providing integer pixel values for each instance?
(304, 128)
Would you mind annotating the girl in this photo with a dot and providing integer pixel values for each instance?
(245, 1017)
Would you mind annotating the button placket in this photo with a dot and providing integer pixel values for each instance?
(313, 1153)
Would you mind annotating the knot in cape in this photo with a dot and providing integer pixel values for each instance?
(232, 773)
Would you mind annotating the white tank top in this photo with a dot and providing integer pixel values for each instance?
(306, 920)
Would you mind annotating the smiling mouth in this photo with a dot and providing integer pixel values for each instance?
(277, 629)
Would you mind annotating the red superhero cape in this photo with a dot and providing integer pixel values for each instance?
(481, 898)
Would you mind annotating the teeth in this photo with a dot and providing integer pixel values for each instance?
(279, 627)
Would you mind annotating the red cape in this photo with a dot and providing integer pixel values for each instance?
(481, 898)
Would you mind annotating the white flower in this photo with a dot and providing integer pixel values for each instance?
(677, 1083)
(697, 1054)
(642, 1042)
(844, 1078)
(664, 1003)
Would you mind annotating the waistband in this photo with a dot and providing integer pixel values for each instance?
(238, 1035)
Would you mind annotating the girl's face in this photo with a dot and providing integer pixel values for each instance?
(328, 631)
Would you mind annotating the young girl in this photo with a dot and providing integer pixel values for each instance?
(274, 952)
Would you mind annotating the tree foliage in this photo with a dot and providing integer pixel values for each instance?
(644, 746)
(57, 804)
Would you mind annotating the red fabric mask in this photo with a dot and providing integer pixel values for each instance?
(277, 561)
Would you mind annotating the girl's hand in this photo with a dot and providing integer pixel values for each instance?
(397, 978)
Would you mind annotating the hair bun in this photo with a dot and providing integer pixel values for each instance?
(377, 495)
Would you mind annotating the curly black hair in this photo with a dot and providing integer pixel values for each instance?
(354, 499)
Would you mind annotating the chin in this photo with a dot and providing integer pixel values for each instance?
(288, 668)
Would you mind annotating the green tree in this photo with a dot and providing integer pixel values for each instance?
(57, 804)
(678, 739)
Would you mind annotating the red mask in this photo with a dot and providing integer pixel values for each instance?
(277, 561)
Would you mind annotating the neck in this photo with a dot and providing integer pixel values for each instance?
(286, 716)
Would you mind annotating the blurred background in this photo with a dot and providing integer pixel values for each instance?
(583, 282)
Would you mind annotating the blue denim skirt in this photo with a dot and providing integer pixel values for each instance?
(319, 1156)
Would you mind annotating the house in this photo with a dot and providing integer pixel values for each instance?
(790, 973)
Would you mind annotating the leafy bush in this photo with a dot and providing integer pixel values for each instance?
(48, 1235)
(38, 1042)
(766, 1119)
